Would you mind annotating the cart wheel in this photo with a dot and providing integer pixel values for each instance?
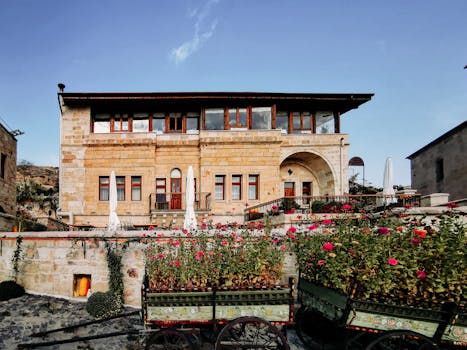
(251, 333)
(169, 339)
(318, 332)
(402, 340)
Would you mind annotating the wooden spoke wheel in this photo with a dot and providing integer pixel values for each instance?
(401, 340)
(251, 333)
(317, 332)
(169, 339)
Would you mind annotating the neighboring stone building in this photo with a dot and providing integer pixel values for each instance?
(441, 165)
(246, 148)
(7, 179)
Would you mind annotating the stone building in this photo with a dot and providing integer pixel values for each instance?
(7, 179)
(441, 165)
(246, 148)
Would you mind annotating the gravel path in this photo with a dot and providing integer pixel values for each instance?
(21, 317)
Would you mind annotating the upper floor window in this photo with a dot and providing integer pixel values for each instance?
(101, 123)
(238, 117)
(120, 188)
(175, 122)
(158, 122)
(2, 165)
(192, 122)
(282, 121)
(302, 122)
(325, 122)
(120, 123)
(236, 187)
(261, 118)
(140, 122)
(214, 119)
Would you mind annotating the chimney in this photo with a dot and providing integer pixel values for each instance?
(61, 87)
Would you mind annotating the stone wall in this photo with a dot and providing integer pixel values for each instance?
(50, 260)
(7, 172)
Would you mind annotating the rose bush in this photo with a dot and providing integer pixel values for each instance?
(221, 258)
(400, 260)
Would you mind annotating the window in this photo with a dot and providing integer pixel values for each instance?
(140, 122)
(192, 122)
(325, 123)
(282, 121)
(2, 166)
(214, 119)
(101, 123)
(120, 188)
(175, 122)
(237, 117)
(261, 118)
(302, 122)
(253, 188)
(236, 187)
(136, 188)
(121, 123)
(439, 169)
(103, 188)
(220, 187)
(160, 190)
(158, 122)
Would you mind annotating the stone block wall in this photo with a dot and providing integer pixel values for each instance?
(7, 172)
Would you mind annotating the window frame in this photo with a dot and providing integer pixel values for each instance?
(254, 183)
(235, 184)
(122, 187)
(222, 184)
(238, 123)
(138, 186)
(103, 185)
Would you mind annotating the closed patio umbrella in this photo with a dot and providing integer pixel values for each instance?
(388, 183)
(114, 222)
(190, 217)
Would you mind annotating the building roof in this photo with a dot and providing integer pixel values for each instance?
(341, 102)
(443, 137)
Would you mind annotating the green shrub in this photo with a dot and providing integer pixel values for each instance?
(10, 290)
(103, 304)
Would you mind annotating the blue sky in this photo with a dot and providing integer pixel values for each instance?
(411, 54)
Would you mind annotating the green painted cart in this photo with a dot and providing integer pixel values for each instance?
(328, 319)
(232, 319)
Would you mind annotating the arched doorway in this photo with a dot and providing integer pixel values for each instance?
(175, 189)
(305, 174)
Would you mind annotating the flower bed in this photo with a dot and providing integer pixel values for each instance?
(225, 259)
(399, 261)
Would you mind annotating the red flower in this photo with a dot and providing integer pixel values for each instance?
(352, 251)
(452, 205)
(204, 226)
(292, 229)
(415, 240)
(384, 231)
(326, 222)
(160, 256)
(321, 262)
(313, 227)
(328, 246)
(392, 261)
(176, 243)
(420, 233)
(224, 243)
(346, 207)
(177, 262)
(421, 274)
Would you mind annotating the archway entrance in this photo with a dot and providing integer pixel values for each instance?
(176, 189)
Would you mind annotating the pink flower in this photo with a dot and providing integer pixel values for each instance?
(415, 240)
(292, 229)
(452, 205)
(224, 243)
(177, 262)
(204, 226)
(328, 246)
(326, 222)
(321, 262)
(283, 248)
(421, 274)
(160, 256)
(151, 228)
(392, 261)
(153, 257)
(384, 231)
(176, 243)
(313, 227)
(346, 207)
(200, 253)
(352, 251)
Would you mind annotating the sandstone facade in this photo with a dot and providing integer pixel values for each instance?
(307, 159)
(7, 177)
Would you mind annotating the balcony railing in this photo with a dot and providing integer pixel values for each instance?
(176, 201)
(330, 204)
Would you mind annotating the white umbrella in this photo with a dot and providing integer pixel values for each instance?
(190, 217)
(114, 222)
(388, 183)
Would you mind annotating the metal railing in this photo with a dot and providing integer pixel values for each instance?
(176, 201)
(331, 204)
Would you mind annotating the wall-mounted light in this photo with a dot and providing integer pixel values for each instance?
(290, 172)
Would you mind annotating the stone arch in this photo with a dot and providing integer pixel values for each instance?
(305, 166)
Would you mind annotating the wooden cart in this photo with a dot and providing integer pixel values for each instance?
(328, 319)
(233, 319)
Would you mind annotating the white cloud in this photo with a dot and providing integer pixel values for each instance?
(182, 52)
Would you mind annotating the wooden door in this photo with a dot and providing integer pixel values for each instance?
(289, 189)
(175, 193)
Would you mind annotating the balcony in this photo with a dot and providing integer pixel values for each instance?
(176, 202)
